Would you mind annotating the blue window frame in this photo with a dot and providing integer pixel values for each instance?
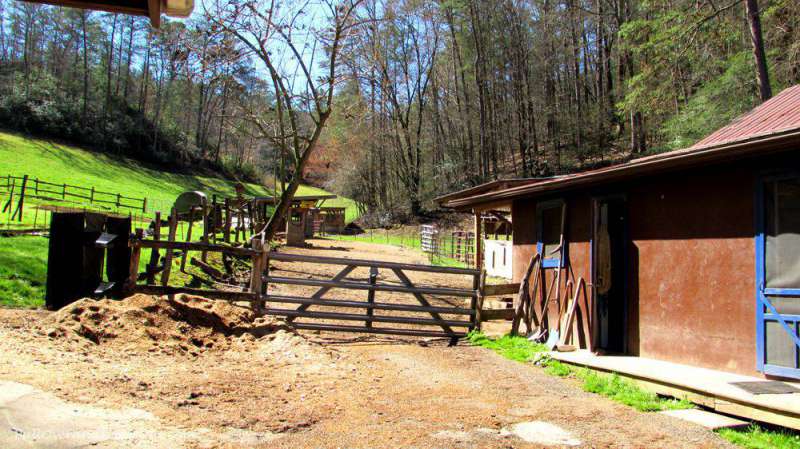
(777, 316)
(549, 226)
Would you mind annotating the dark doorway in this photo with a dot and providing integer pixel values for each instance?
(609, 272)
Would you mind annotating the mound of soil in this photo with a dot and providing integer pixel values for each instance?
(182, 324)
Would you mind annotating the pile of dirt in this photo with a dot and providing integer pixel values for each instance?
(182, 324)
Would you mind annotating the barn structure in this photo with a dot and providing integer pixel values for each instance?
(691, 257)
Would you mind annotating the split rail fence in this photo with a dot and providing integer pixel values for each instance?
(16, 190)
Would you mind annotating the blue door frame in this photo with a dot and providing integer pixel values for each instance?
(765, 310)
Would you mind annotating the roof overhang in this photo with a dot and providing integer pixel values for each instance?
(148, 8)
(660, 163)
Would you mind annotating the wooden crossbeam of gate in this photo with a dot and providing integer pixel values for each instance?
(321, 320)
(407, 282)
(321, 292)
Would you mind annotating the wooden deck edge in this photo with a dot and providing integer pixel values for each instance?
(726, 406)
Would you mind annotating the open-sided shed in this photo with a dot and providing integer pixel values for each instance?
(690, 256)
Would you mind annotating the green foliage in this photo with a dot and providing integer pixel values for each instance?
(23, 271)
(756, 437)
(626, 392)
(714, 105)
(556, 368)
(612, 386)
(515, 348)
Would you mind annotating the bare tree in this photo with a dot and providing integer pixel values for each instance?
(277, 33)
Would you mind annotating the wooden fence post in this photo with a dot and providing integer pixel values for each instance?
(173, 227)
(255, 275)
(479, 282)
(151, 268)
(91, 196)
(188, 239)
(133, 270)
(64, 192)
(144, 205)
(21, 199)
(373, 277)
(226, 231)
(7, 207)
(206, 212)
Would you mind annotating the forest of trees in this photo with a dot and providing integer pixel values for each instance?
(177, 96)
(431, 96)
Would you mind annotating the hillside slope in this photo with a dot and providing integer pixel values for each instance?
(59, 163)
(23, 260)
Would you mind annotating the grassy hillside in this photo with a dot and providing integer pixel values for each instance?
(23, 260)
(65, 164)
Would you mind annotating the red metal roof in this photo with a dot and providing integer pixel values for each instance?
(779, 113)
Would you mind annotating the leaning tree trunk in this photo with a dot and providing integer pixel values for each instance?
(282, 208)
(756, 37)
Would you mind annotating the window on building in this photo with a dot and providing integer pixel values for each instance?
(782, 204)
(549, 216)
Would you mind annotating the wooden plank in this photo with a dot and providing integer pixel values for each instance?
(405, 280)
(196, 246)
(319, 293)
(205, 293)
(378, 330)
(362, 304)
(378, 287)
(496, 314)
(524, 296)
(501, 289)
(360, 317)
(206, 268)
(371, 263)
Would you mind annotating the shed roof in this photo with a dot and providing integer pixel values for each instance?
(148, 8)
(781, 112)
(771, 127)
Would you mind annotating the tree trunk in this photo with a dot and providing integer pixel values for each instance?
(757, 39)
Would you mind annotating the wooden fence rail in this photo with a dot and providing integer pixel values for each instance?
(27, 187)
(414, 319)
(424, 295)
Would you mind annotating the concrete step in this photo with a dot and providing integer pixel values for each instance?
(709, 420)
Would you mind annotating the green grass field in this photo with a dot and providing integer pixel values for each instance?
(59, 163)
(23, 260)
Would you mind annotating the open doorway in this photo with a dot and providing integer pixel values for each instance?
(609, 270)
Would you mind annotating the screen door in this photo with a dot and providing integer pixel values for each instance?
(778, 276)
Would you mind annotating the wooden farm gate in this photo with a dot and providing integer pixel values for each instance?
(394, 304)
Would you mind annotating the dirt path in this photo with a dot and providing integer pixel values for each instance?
(314, 390)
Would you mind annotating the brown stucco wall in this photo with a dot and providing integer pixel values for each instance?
(693, 257)
(691, 292)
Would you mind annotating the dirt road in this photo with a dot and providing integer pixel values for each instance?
(310, 390)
